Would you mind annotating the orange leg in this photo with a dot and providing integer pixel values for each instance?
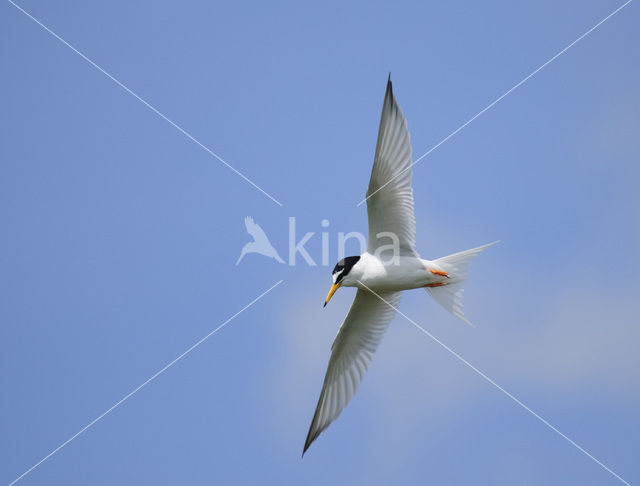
(436, 284)
(439, 272)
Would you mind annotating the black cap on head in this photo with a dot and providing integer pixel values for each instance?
(344, 266)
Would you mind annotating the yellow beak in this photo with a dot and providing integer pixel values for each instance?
(332, 291)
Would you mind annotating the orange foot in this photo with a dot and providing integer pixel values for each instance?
(436, 284)
(439, 272)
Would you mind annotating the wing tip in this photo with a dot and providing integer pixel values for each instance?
(314, 432)
(389, 103)
(308, 441)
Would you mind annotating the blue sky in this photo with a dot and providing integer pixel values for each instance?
(120, 237)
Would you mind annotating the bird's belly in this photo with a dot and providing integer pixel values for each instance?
(408, 274)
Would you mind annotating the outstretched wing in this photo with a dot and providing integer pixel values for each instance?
(256, 231)
(390, 196)
(351, 353)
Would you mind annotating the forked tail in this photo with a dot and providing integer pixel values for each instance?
(450, 296)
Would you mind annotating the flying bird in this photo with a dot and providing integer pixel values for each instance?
(384, 270)
(260, 243)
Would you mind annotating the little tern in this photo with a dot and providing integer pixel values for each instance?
(384, 270)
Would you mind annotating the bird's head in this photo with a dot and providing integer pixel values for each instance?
(340, 275)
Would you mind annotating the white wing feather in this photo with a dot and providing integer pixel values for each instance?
(351, 353)
(390, 195)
